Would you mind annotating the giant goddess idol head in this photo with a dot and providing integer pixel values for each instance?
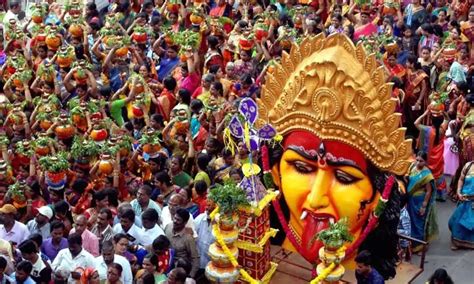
(341, 148)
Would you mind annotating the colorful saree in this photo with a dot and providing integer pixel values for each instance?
(467, 138)
(422, 227)
(461, 223)
(413, 90)
(426, 143)
(365, 31)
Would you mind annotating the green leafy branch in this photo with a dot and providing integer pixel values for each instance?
(229, 197)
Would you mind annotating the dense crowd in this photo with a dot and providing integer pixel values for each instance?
(113, 118)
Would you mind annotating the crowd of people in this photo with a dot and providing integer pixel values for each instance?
(113, 117)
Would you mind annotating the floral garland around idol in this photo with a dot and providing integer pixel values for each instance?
(220, 240)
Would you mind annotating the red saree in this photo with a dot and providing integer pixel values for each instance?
(365, 30)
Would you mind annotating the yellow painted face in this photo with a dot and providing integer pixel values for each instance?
(318, 193)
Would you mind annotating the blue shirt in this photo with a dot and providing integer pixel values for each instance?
(166, 66)
(27, 281)
(374, 277)
(50, 250)
(205, 238)
(115, 81)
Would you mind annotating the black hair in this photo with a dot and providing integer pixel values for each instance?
(201, 187)
(152, 257)
(117, 266)
(56, 225)
(106, 211)
(184, 264)
(462, 86)
(14, 4)
(74, 238)
(196, 105)
(113, 196)
(28, 246)
(180, 160)
(246, 79)
(94, 26)
(440, 276)
(80, 185)
(151, 215)
(422, 155)
(119, 236)
(148, 278)
(437, 121)
(25, 266)
(413, 59)
(91, 6)
(427, 28)
(164, 177)
(236, 171)
(107, 245)
(397, 82)
(212, 41)
(364, 257)
(161, 243)
(185, 96)
(128, 125)
(180, 274)
(214, 68)
(128, 214)
(155, 20)
(454, 23)
(61, 207)
(36, 238)
(227, 153)
(351, 31)
(202, 160)
(158, 118)
(183, 214)
(147, 4)
(458, 29)
(337, 17)
(98, 196)
(438, 30)
(426, 48)
(3, 262)
(218, 86)
(148, 190)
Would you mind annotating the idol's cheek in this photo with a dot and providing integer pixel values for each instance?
(276, 176)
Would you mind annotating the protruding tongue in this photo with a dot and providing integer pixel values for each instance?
(309, 244)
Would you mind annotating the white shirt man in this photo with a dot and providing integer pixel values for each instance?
(101, 267)
(18, 232)
(66, 262)
(134, 231)
(166, 219)
(149, 235)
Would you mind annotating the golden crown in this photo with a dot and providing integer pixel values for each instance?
(331, 88)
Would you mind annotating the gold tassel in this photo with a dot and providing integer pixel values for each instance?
(247, 135)
(229, 141)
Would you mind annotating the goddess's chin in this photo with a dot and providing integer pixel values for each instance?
(308, 245)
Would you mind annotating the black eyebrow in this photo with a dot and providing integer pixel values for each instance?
(303, 153)
(344, 163)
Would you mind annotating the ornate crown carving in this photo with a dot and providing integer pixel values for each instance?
(331, 88)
